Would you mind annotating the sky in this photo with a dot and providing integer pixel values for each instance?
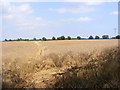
(48, 19)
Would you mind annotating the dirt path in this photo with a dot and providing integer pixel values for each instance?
(41, 49)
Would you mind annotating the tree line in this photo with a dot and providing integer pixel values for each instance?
(64, 38)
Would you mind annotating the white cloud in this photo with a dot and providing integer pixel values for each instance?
(114, 13)
(22, 17)
(92, 3)
(24, 8)
(75, 10)
(12, 12)
(81, 19)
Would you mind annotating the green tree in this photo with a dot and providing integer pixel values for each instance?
(78, 37)
(91, 37)
(53, 38)
(69, 38)
(113, 38)
(10, 39)
(62, 38)
(58, 38)
(26, 39)
(97, 37)
(5, 40)
(105, 37)
(44, 39)
(118, 37)
(34, 39)
(20, 39)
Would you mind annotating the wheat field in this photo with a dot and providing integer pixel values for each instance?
(29, 49)
(37, 64)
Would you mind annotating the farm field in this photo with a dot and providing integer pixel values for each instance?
(31, 49)
(36, 62)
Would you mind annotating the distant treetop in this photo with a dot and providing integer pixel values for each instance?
(91, 37)
(78, 37)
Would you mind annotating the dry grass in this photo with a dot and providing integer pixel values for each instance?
(96, 68)
(100, 72)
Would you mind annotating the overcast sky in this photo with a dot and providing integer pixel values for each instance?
(47, 19)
